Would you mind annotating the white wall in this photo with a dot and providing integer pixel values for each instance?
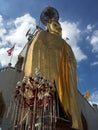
(90, 113)
(8, 80)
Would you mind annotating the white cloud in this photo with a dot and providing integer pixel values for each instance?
(94, 63)
(13, 31)
(90, 27)
(2, 31)
(22, 24)
(93, 39)
(94, 98)
(4, 59)
(72, 31)
(15, 34)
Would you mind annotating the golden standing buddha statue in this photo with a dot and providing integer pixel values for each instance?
(55, 59)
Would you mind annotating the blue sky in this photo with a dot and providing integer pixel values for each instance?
(79, 21)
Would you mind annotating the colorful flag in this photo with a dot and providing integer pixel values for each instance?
(10, 50)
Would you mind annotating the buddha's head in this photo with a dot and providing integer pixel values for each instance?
(54, 27)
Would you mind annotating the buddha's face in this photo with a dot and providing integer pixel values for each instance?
(54, 27)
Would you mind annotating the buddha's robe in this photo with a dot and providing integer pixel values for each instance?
(56, 61)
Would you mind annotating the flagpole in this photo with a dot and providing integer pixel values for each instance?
(11, 56)
(9, 64)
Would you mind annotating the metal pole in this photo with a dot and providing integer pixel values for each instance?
(12, 54)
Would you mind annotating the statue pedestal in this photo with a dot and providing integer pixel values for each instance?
(63, 125)
(51, 123)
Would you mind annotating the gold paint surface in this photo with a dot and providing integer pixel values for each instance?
(55, 59)
(54, 27)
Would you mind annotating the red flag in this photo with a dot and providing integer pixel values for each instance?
(10, 51)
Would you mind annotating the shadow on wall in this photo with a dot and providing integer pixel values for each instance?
(2, 107)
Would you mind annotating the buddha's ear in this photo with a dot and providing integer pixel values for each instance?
(48, 27)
